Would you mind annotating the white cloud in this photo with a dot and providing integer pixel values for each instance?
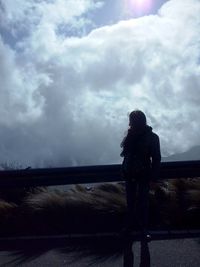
(20, 98)
(68, 97)
(32, 17)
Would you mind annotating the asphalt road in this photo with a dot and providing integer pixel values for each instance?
(165, 253)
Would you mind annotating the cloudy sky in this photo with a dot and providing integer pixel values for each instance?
(71, 71)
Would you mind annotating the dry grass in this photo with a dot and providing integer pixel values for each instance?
(174, 204)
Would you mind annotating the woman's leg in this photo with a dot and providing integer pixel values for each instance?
(143, 204)
(131, 188)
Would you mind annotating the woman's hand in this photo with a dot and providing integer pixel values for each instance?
(152, 185)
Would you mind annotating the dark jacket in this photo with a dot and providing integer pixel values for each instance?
(143, 146)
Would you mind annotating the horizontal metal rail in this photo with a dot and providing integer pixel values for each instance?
(61, 240)
(89, 174)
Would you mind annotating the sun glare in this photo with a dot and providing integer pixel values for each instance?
(139, 6)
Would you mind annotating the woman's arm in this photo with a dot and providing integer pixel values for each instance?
(156, 157)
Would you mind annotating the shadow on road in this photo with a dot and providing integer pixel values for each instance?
(96, 250)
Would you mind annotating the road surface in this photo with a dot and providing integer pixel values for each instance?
(164, 253)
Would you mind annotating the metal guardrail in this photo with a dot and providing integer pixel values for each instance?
(55, 241)
(89, 174)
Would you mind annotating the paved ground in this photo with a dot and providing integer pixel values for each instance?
(171, 253)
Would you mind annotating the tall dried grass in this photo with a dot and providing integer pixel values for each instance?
(173, 203)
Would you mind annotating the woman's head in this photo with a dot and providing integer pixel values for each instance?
(137, 119)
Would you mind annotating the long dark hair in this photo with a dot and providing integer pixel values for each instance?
(137, 124)
(137, 119)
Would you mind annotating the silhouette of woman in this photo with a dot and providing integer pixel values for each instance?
(141, 152)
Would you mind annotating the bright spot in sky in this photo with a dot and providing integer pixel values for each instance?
(139, 6)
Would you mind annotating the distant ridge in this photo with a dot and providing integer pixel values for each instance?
(191, 154)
